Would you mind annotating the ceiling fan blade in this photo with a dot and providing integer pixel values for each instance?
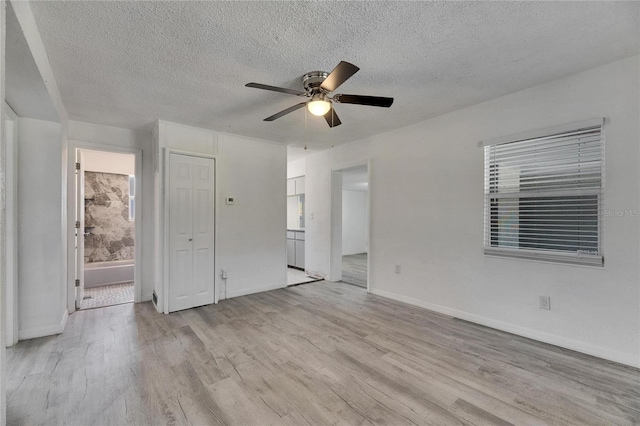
(377, 101)
(332, 118)
(339, 75)
(276, 89)
(285, 111)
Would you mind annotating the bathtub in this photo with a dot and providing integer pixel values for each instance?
(106, 273)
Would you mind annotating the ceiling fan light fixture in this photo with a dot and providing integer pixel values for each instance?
(319, 105)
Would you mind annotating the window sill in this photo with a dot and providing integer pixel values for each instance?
(546, 257)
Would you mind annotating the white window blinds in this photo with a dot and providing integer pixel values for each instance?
(543, 196)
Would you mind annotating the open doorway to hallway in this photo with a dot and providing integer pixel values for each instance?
(355, 226)
(105, 228)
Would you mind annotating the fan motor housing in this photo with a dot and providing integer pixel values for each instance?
(312, 80)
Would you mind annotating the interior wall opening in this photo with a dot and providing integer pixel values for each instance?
(296, 237)
(355, 226)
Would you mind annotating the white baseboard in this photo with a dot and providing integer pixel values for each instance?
(252, 290)
(563, 342)
(48, 330)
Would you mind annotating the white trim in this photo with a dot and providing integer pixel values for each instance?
(563, 342)
(3, 351)
(368, 213)
(11, 230)
(190, 153)
(253, 290)
(538, 133)
(46, 330)
(335, 227)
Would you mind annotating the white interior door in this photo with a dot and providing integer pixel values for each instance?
(191, 227)
(79, 234)
(203, 229)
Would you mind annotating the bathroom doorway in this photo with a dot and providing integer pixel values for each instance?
(105, 228)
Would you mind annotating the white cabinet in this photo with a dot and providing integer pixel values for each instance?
(299, 254)
(291, 252)
(295, 249)
(295, 186)
(291, 187)
(299, 185)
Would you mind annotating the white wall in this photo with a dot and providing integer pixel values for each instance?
(354, 222)
(97, 137)
(296, 168)
(41, 290)
(435, 170)
(251, 234)
(109, 162)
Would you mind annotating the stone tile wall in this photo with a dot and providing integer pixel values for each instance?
(109, 235)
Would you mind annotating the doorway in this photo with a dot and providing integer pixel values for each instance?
(105, 228)
(350, 225)
(355, 235)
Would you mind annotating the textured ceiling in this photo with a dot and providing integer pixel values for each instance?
(129, 63)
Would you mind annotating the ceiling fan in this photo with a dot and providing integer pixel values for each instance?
(317, 86)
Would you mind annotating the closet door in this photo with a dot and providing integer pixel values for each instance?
(203, 229)
(191, 269)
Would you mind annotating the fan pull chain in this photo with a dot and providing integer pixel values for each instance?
(305, 129)
(332, 115)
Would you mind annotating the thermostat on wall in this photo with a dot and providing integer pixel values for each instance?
(229, 201)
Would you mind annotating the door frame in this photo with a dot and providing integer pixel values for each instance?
(165, 223)
(10, 290)
(335, 245)
(79, 232)
(74, 146)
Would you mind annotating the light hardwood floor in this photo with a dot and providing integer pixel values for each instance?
(319, 354)
(354, 269)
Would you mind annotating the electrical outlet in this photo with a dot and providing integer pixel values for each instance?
(311, 215)
(397, 269)
(224, 274)
(545, 302)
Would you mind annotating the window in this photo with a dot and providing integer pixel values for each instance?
(132, 199)
(543, 195)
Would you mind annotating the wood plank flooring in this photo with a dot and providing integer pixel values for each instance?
(354, 269)
(315, 354)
